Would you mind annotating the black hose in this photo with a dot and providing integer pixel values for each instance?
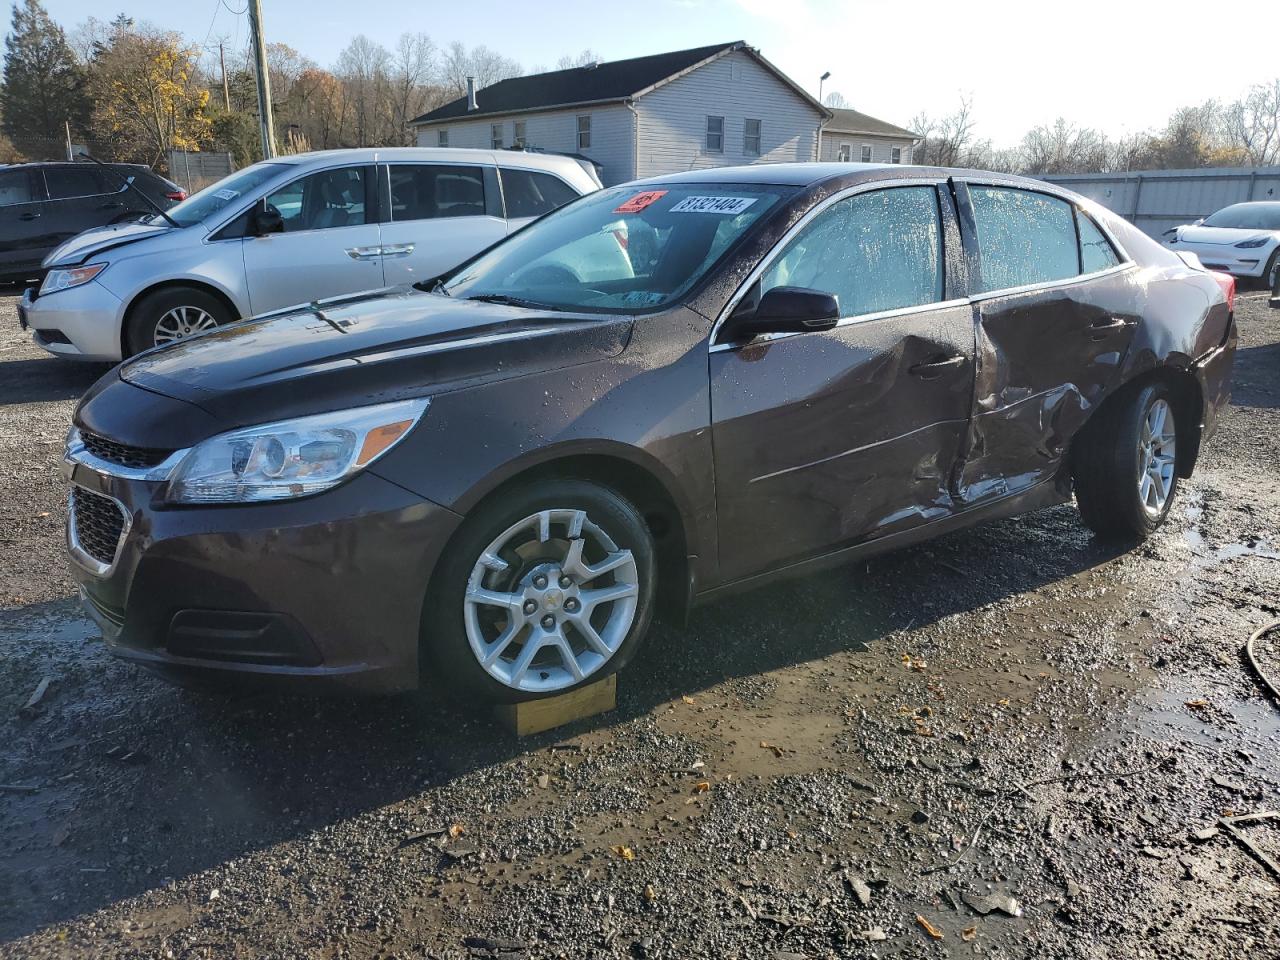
(1266, 681)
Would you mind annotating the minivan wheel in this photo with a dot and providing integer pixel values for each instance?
(544, 589)
(172, 314)
(1125, 464)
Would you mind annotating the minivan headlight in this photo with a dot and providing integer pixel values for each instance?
(291, 458)
(64, 278)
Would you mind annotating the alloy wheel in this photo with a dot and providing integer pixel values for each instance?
(181, 322)
(550, 601)
(1157, 453)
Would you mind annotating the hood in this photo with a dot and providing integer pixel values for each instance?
(1217, 235)
(365, 350)
(98, 239)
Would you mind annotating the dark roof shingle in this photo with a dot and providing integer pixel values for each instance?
(605, 81)
(851, 121)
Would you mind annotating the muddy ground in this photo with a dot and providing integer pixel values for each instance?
(798, 773)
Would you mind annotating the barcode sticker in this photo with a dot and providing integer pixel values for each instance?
(726, 205)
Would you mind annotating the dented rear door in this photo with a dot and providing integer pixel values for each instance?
(1054, 319)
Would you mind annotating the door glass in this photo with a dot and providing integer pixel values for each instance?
(15, 187)
(65, 183)
(330, 198)
(1096, 252)
(874, 251)
(531, 194)
(1023, 237)
(427, 192)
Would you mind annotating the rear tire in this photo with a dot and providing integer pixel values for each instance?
(1124, 464)
(173, 313)
(522, 545)
(1271, 275)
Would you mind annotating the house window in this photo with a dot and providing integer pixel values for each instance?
(495, 136)
(751, 138)
(584, 133)
(895, 155)
(715, 134)
(843, 153)
(866, 153)
(517, 133)
(442, 138)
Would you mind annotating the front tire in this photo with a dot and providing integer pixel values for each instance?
(1125, 464)
(173, 313)
(544, 589)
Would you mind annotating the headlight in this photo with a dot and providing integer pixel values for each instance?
(292, 458)
(1253, 242)
(64, 278)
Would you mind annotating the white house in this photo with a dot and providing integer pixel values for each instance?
(708, 107)
(850, 135)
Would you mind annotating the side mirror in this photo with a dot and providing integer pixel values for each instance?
(1198, 222)
(266, 220)
(785, 310)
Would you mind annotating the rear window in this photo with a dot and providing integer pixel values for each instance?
(65, 183)
(15, 187)
(1023, 237)
(1096, 252)
(531, 194)
(1247, 216)
(432, 191)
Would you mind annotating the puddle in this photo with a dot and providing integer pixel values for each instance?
(1204, 554)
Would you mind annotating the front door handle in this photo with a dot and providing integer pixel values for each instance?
(1101, 329)
(364, 253)
(933, 369)
(28, 216)
(397, 249)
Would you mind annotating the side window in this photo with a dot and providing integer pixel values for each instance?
(429, 191)
(330, 198)
(1096, 252)
(1023, 237)
(65, 183)
(15, 187)
(531, 194)
(874, 251)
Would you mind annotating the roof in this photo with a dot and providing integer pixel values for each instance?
(851, 121)
(790, 174)
(602, 83)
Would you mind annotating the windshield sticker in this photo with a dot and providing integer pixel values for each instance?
(640, 201)
(225, 194)
(728, 205)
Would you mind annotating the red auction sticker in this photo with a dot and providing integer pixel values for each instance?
(640, 201)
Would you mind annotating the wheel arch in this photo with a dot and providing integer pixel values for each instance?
(1188, 407)
(203, 286)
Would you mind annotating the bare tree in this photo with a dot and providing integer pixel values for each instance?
(363, 70)
(836, 100)
(413, 71)
(480, 62)
(944, 141)
(585, 59)
(1252, 124)
(1063, 147)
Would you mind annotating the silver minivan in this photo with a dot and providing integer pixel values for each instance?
(291, 230)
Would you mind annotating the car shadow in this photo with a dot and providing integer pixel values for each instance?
(46, 379)
(1253, 377)
(140, 782)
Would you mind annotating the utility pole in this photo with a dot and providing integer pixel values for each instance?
(226, 90)
(264, 81)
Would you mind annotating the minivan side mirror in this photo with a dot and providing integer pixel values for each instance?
(265, 220)
(785, 310)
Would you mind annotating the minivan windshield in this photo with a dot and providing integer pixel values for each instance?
(619, 250)
(214, 197)
(1247, 216)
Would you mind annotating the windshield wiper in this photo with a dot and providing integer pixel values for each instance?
(130, 185)
(502, 298)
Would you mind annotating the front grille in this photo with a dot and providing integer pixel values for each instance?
(99, 522)
(122, 454)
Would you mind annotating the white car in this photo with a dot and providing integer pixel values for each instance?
(291, 230)
(1242, 239)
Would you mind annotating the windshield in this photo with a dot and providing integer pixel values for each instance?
(214, 197)
(1247, 216)
(619, 250)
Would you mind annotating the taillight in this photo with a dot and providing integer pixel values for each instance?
(176, 195)
(1228, 284)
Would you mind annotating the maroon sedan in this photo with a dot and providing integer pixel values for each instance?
(656, 394)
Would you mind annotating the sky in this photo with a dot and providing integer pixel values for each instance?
(1120, 66)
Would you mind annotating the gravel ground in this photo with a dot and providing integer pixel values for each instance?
(1001, 743)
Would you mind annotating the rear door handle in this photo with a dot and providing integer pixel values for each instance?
(28, 216)
(933, 369)
(1101, 329)
(364, 253)
(397, 249)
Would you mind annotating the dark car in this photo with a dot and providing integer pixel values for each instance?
(43, 204)
(657, 394)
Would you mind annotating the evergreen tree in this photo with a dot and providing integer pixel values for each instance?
(43, 83)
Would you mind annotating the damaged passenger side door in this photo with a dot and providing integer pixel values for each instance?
(1056, 309)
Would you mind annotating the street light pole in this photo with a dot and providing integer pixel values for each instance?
(264, 80)
(821, 80)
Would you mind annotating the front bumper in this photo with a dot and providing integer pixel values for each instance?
(82, 323)
(327, 588)
(1227, 259)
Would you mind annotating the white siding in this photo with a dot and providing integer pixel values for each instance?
(611, 136)
(881, 147)
(673, 118)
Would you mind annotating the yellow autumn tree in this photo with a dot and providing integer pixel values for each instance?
(147, 96)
